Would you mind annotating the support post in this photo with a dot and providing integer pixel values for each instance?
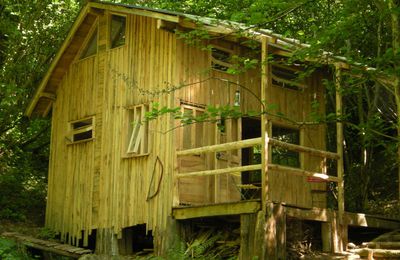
(342, 226)
(265, 192)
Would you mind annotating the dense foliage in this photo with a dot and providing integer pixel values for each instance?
(361, 30)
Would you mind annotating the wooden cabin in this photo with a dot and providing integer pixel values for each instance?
(116, 176)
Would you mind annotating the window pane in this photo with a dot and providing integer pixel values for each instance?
(91, 47)
(83, 123)
(283, 156)
(83, 136)
(117, 35)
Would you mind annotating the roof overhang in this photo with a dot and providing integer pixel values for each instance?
(45, 94)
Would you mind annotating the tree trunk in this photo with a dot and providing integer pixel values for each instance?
(393, 5)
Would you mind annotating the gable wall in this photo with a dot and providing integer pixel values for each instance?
(91, 185)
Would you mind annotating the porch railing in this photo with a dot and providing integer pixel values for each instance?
(258, 141)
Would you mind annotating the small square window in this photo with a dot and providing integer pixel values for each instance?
(117, 30)
(81, 130)
(138, 131)
(283, 156)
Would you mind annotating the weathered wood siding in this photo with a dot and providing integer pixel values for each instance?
(91, 184)
(94, 185)
(296, 106)
(71, 169)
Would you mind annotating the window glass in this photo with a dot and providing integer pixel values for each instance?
(91, 47)
(117, 30)
(283, 156)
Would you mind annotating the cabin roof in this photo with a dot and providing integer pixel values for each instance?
(44, 96)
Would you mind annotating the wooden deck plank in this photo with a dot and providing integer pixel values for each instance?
(313, 214)
(49, 246)
(365, 220)
(222, 209)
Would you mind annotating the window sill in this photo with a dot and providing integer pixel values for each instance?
(80, 141)
(128, 156)
(117, 47)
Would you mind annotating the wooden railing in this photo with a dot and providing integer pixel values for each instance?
(258, 141)
(219, 148)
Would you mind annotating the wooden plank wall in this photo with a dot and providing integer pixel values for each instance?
(91, 185)
(296, 106)
(206, 86)
(145, 62)
(71, 169)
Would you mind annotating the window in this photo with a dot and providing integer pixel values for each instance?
(221, 59)
(117, 30)
(91, 46)
(287, 77)
(194, 132)
(138, 136)
(81, 130)
(283, 156)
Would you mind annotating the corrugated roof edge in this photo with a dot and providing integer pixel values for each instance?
(213, 22)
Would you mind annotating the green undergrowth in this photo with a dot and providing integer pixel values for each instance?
(10, 250)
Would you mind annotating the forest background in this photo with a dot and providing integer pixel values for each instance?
(362, 31)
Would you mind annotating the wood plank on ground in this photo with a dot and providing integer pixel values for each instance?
(49, 246)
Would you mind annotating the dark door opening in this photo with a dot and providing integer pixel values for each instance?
(251, 180)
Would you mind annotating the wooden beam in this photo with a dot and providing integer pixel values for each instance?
(363, 220)
(48, 246)
(300, 172)
(66, 43)
(48, 95)
(265, 85)
(223, 209)
(385, 245)
(136, 11)
(221, 147)
(339, 143)
(378, 253)
(253, 167)
(299, 148)
(314, 214)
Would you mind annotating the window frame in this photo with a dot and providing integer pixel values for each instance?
(285, 83)
(300, 136)
(74, 131)
(129, 131)
(94, 30)
(109, 40)
(214, 60)
(193, 128)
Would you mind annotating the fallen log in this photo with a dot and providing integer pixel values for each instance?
(382, 245)
(379, 253)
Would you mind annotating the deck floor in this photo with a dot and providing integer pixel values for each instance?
(313, 214)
